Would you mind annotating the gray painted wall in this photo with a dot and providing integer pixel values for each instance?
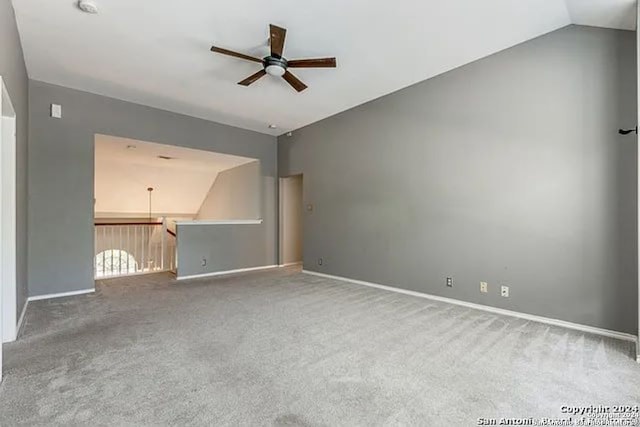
(225, 247)
(508, 170)
(14, 73)
(235, 194)
(61, 158)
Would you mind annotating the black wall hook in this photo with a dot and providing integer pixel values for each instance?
(627, 131)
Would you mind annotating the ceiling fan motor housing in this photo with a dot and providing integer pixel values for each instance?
(274, 66)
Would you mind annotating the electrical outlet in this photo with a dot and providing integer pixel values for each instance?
(204, 262)
(504, 291)
(450, 282)
(484, 287)
(319, 261)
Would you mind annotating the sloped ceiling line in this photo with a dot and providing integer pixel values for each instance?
(163, 58)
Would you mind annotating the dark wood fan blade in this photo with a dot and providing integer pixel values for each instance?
(294, 81)
(252, 78)
(277, 36)
(235, 54)
(312, 63)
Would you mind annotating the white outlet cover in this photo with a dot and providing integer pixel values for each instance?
(56, 111)
(484, 287)
(505, 291)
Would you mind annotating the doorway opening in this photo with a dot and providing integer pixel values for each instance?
(8, 278)
(291, 220)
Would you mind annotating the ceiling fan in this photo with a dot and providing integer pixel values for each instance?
(275, 64)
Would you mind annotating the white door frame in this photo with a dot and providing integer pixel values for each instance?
(280, 222)
(8, 279)
(283, 219)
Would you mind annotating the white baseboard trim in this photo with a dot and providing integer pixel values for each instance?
(60, 295)
(224, 273)
(290, 264)
(16, 332)
(21, 319)
(532, 317)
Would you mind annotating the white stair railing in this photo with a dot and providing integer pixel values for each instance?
(123, 249)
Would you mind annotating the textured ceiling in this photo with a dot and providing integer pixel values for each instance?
(157, 52)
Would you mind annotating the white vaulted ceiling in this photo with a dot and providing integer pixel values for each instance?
(156, 52)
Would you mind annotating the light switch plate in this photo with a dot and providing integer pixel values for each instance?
(56, 111)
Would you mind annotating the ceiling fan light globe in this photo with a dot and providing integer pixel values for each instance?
(88, 6)
(275, 70)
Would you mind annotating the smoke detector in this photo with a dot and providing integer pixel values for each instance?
(88, 6)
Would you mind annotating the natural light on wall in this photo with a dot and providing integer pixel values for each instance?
(115, 261)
